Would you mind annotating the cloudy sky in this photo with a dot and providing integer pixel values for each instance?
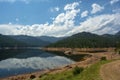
(59, 17)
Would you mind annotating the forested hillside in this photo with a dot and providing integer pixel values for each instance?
(88, 40)
(7, 41)
(31, 41)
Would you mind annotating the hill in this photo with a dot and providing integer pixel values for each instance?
(7, 41)
(80, 40)
(118, 33)
(50, 39)
(87, 40)
(24, 40)
(32, 41)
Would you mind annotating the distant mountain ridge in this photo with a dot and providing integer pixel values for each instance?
(50, 38)
(84, 39)
(32, 41)
(24, 40)
(7, 41)
(88, 40)
(118, 33)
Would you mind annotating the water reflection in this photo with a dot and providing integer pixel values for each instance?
(24, 61)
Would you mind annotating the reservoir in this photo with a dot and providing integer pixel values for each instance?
(14, 62)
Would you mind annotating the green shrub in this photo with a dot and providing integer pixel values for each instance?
(77, 70)
(103, 58)
(32, 76)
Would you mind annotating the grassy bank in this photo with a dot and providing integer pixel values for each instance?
(89, 73)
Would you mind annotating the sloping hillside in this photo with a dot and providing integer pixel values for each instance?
(7, 41)
(32, 41)
(50, 39)
(85, 40)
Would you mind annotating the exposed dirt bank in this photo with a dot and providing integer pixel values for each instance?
(111, 71)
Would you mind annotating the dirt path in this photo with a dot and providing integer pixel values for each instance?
(111, 71)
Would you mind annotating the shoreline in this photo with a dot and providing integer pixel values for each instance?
(44, 72)
(87, 62)
(18, 48)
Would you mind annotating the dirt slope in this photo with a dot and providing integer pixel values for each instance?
(111, 71)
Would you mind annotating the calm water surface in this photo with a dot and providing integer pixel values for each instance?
(13, 62)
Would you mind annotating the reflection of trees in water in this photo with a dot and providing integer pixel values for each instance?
(23, 53)
(4, 54)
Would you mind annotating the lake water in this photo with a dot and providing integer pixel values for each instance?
(13, 62)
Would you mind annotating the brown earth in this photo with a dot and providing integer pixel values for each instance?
(111, 71)
(95, 57)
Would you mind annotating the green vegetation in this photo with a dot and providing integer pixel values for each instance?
(7, 41)
(21, 41)
(5, 54)
(32, 77)
(30, 40)
(117, 48)
(87, 40)
(103, 58)
(80, 40)
(119, 52)
(77, 70)
(89, 73)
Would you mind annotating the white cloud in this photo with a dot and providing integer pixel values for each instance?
(34, 63)
(84, 14)
(96, 8)
(102, 24)
(64, 25)
(54, 9)
(108, 23)
(113, 1)
(9, 23)
(71, 6)
(57, 8)
(63, 18)
(68, 17)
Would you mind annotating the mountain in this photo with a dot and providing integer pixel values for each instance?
(85, 40)
(51, 39)
(80, 40)
(32, 41)
(107, 35)
(118, 33)
(24, 40)
(117, 37)
(7, 41)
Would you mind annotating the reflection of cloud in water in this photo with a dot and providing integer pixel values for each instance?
(34, 63)
(30, 61)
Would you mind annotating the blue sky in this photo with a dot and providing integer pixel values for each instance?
(59, 17)
(30, 11)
